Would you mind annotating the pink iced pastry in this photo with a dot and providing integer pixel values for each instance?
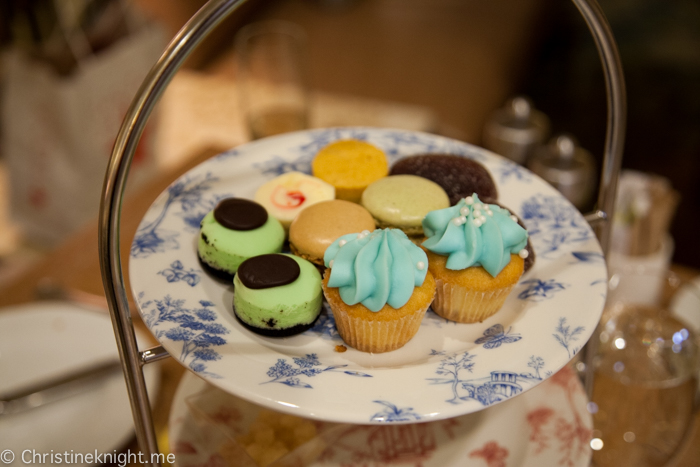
(286, 195)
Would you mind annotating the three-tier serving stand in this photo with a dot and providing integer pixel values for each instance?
(187, 39)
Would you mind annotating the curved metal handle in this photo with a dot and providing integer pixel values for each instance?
(617, 113)
(132, 127)
(614, 143)
(205, 20)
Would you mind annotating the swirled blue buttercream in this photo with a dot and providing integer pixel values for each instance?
(376, 268)
(471, 233)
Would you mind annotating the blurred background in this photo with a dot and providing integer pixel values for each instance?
(443, 66)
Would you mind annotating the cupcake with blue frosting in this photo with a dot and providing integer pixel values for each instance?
(476, 253)
(378, 287)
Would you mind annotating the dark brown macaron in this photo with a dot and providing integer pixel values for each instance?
(458, 176)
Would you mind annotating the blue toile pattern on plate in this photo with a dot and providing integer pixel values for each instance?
(538, 289)
(495, 336)
(550, 314)
(190, 199)
(177, 272)
(308, 366)
(508, 170)
(498, 386)
(553, 223)
(391, 413)
(566, 336)
(196, 328)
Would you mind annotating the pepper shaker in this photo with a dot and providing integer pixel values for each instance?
(567, 167)
(515, 130)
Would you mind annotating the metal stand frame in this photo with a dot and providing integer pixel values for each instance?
(199, 26)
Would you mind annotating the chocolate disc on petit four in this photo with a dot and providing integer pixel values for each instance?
(265, 271)
(240, 214)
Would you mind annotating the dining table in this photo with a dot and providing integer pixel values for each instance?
(72, 270)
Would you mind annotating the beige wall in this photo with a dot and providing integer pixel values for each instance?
(461, 58)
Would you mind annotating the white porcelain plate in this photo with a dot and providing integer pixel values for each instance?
(446, 370)
(47, 340)
(548, 426)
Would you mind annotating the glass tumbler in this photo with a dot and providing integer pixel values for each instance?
(272, 71)
(646, 369)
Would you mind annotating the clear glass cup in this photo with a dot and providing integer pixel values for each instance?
(646, 369)
(272, 71)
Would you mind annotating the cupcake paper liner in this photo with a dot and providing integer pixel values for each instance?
(377, 336)
(467, 306)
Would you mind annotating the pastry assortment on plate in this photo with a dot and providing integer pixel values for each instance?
(388, 244)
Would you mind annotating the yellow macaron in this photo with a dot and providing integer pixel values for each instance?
(350, 166)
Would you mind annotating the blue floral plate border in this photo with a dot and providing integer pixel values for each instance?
(446, 370)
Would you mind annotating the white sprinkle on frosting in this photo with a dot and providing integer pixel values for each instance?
(469, 200)
(457, 221)
(523, 253)
(482, 219)
(477, 212)
(477, 222)
(342, 242)
(464, 211)
(514, 219)
(420, 265)
(330, 264)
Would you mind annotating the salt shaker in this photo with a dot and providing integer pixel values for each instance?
(515, 130)
(567, 167)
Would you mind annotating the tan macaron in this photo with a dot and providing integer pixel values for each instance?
(317, 226)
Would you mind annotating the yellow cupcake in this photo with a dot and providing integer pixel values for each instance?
(378, 287)
(383, 331)
(471, 295)
(476, 252)
(350, 166)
